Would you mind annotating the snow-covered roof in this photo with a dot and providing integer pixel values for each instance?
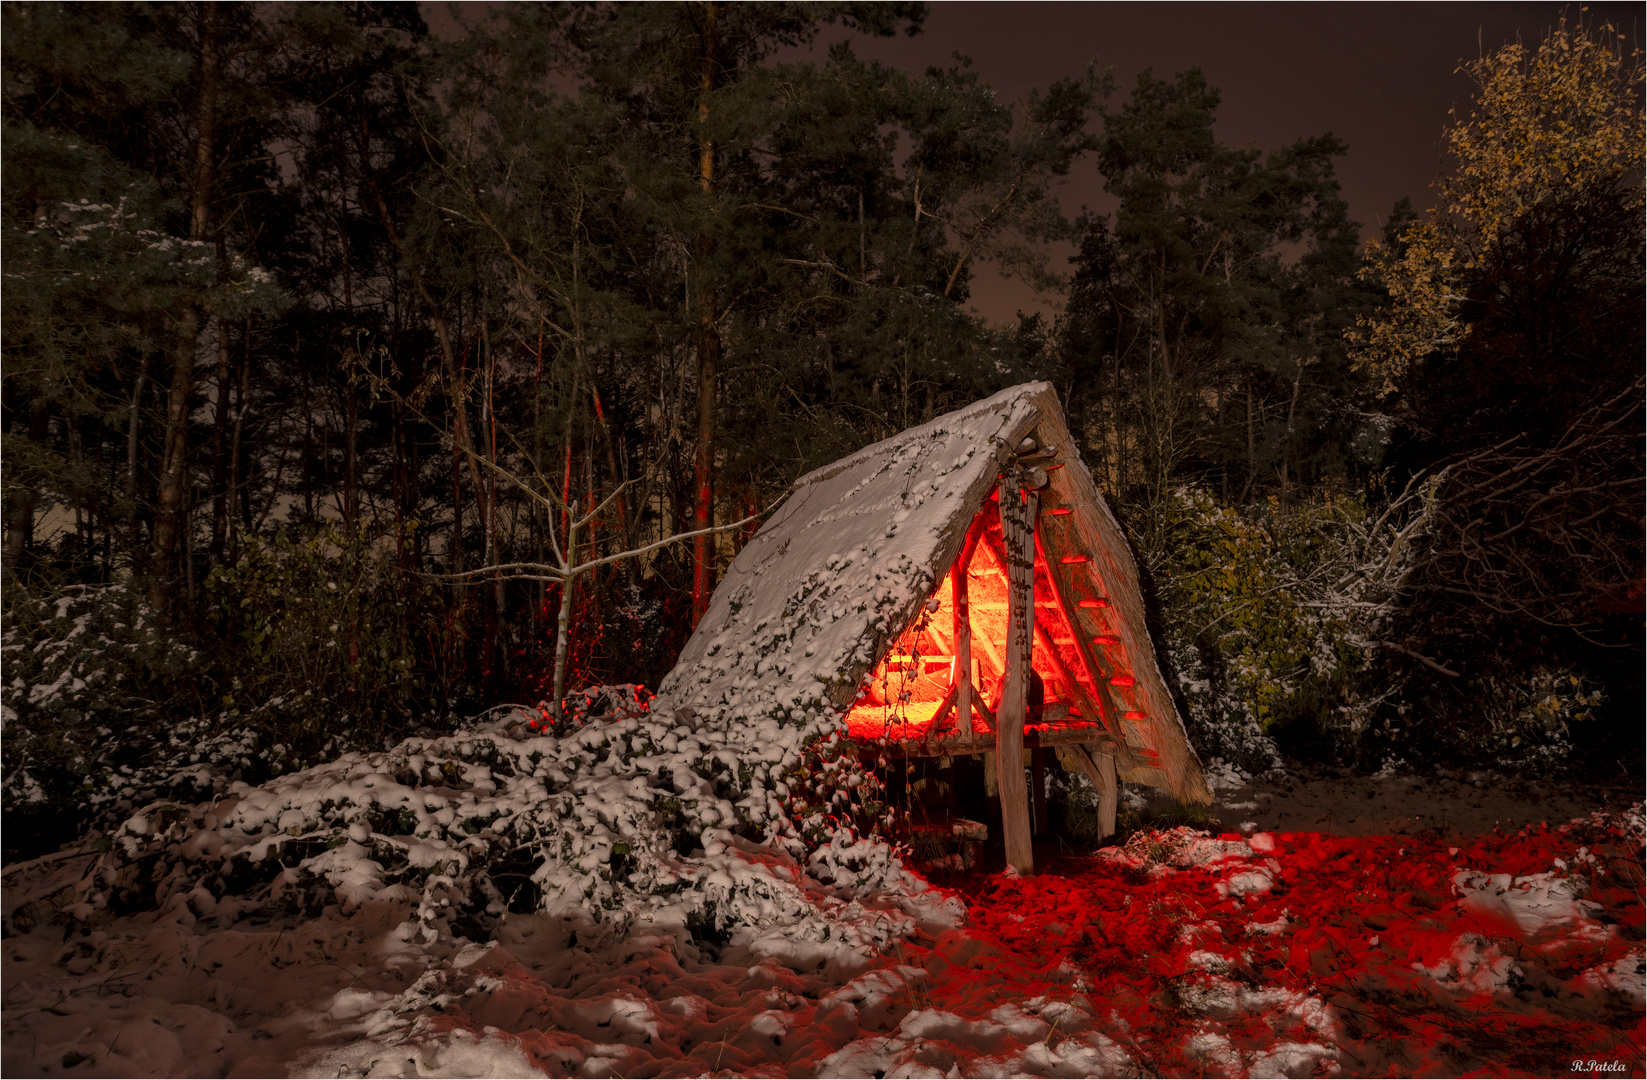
(812, 602)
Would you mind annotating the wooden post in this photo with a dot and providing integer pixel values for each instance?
(1108, 793)
(1102, 776)
(963, 629)
(1018, 527)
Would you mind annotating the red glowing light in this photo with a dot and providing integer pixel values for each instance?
(1122, 680)
(910, 693)
(1106, 639)
(1098, 603)
(1071, 560)
(1060, 512)
(1133, 714)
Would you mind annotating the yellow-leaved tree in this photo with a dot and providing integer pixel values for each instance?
(1509, 350)
(1548, 125)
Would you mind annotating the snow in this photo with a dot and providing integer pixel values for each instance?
(1531, 907)
(372, 939)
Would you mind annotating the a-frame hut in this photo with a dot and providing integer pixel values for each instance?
(974, 545)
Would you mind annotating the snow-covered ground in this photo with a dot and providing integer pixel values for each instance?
(1442, 949)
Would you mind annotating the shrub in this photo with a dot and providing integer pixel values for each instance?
(307, 646)
(94, 691)
(319, 630)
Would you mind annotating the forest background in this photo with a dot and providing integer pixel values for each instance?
(331, 348)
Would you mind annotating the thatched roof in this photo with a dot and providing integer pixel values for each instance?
(815, 600)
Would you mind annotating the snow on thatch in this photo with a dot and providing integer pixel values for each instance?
(839, 570)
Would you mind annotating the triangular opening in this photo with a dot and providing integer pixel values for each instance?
(907, 694)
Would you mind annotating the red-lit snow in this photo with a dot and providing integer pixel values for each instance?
(1183, 954)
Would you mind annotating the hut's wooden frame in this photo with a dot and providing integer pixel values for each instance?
(1155, 752)
(1086, 555)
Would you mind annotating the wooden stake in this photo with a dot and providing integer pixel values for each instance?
(1018, 527)
(1102, 775)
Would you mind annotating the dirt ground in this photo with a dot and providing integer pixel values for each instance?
(1339, 803)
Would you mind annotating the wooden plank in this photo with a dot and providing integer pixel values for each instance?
(1018, 527)
(944, 708)
(1090, 708)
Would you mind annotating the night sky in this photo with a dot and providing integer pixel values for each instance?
(1379, 76)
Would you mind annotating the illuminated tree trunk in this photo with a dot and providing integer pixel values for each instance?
(1018, 529)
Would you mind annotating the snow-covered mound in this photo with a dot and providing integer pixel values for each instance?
(631, 818)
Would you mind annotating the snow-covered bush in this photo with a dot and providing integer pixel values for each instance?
(1274, 614)
(318, 628)
(93, 691)
(625, 818)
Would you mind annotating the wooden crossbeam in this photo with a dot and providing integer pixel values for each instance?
(954, 744)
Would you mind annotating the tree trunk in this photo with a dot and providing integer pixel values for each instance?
(235, 442)
(174, 469)
(132, 425)
(709, 342)
(220, 449)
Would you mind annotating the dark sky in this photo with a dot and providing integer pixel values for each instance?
(1379, 76)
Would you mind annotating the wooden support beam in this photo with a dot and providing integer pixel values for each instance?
(1018, 527)
(944, 708)
(961, 742)
(981, 708)
(1102, 775)
(1049, 648)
